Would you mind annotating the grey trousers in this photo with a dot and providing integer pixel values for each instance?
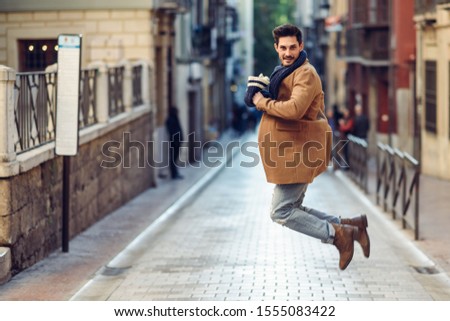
(287, 210)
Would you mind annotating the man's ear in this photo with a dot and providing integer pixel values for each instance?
(275, 46)
(302, 45)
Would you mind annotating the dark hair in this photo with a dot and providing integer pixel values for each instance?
(287, 30)
(173, 111)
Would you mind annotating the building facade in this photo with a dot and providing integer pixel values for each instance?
(367, 58)
(396, 56)
(336, 67)
(375, 40)
(138, 59)
(432, 97)
(187, 44)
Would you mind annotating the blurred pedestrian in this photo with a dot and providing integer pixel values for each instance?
(295, 146)
(336, 136)
(362, 125)
(175, 133)
(337, 114)
(331, 120)
(346, 124)
(239, 122)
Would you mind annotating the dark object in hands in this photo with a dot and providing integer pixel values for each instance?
(254, 85)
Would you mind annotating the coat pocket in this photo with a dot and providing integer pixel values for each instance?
(288, 125)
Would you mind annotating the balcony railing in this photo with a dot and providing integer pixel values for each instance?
(370, 46)
(428, 6)
(202, 40)
(369, 14)
(425, 6)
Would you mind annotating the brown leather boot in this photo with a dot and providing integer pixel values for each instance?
(343, 240)
(363, 238)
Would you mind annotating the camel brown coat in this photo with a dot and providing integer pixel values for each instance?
(294, 136)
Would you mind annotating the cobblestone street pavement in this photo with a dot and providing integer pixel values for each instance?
(224, 246)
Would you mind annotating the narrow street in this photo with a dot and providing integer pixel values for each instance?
(224, 246)
(130, 176)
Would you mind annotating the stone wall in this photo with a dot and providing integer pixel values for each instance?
(31, 202)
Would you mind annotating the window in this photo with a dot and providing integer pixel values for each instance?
(37, 54)
(382, 11)
(430, 96)
(359, 11)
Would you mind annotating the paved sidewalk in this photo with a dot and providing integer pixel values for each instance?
(61, 275)
(223, 246)
(434, 220)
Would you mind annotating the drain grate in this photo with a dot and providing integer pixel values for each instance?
(426, 269)
(113, 271)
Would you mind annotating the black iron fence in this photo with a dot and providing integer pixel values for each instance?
(358, 157)
(136, 76)
(35, 109)
(397, 185)
(88, 97)
(35, 102)
(397, 180)
(115, 88)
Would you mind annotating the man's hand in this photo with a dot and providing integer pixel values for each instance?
(255, 84)
(257, 97)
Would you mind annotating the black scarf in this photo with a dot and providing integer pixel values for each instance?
(280, 72)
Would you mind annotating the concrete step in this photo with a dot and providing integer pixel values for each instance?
(5, 264)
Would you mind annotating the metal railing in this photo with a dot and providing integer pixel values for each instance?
(136, 76)
(35, 101)
(115, 88)
(358, 157)
(35, 109)
(424, 6)
(398, 178)
(361, 43)
(35, 106)
(88, 97)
